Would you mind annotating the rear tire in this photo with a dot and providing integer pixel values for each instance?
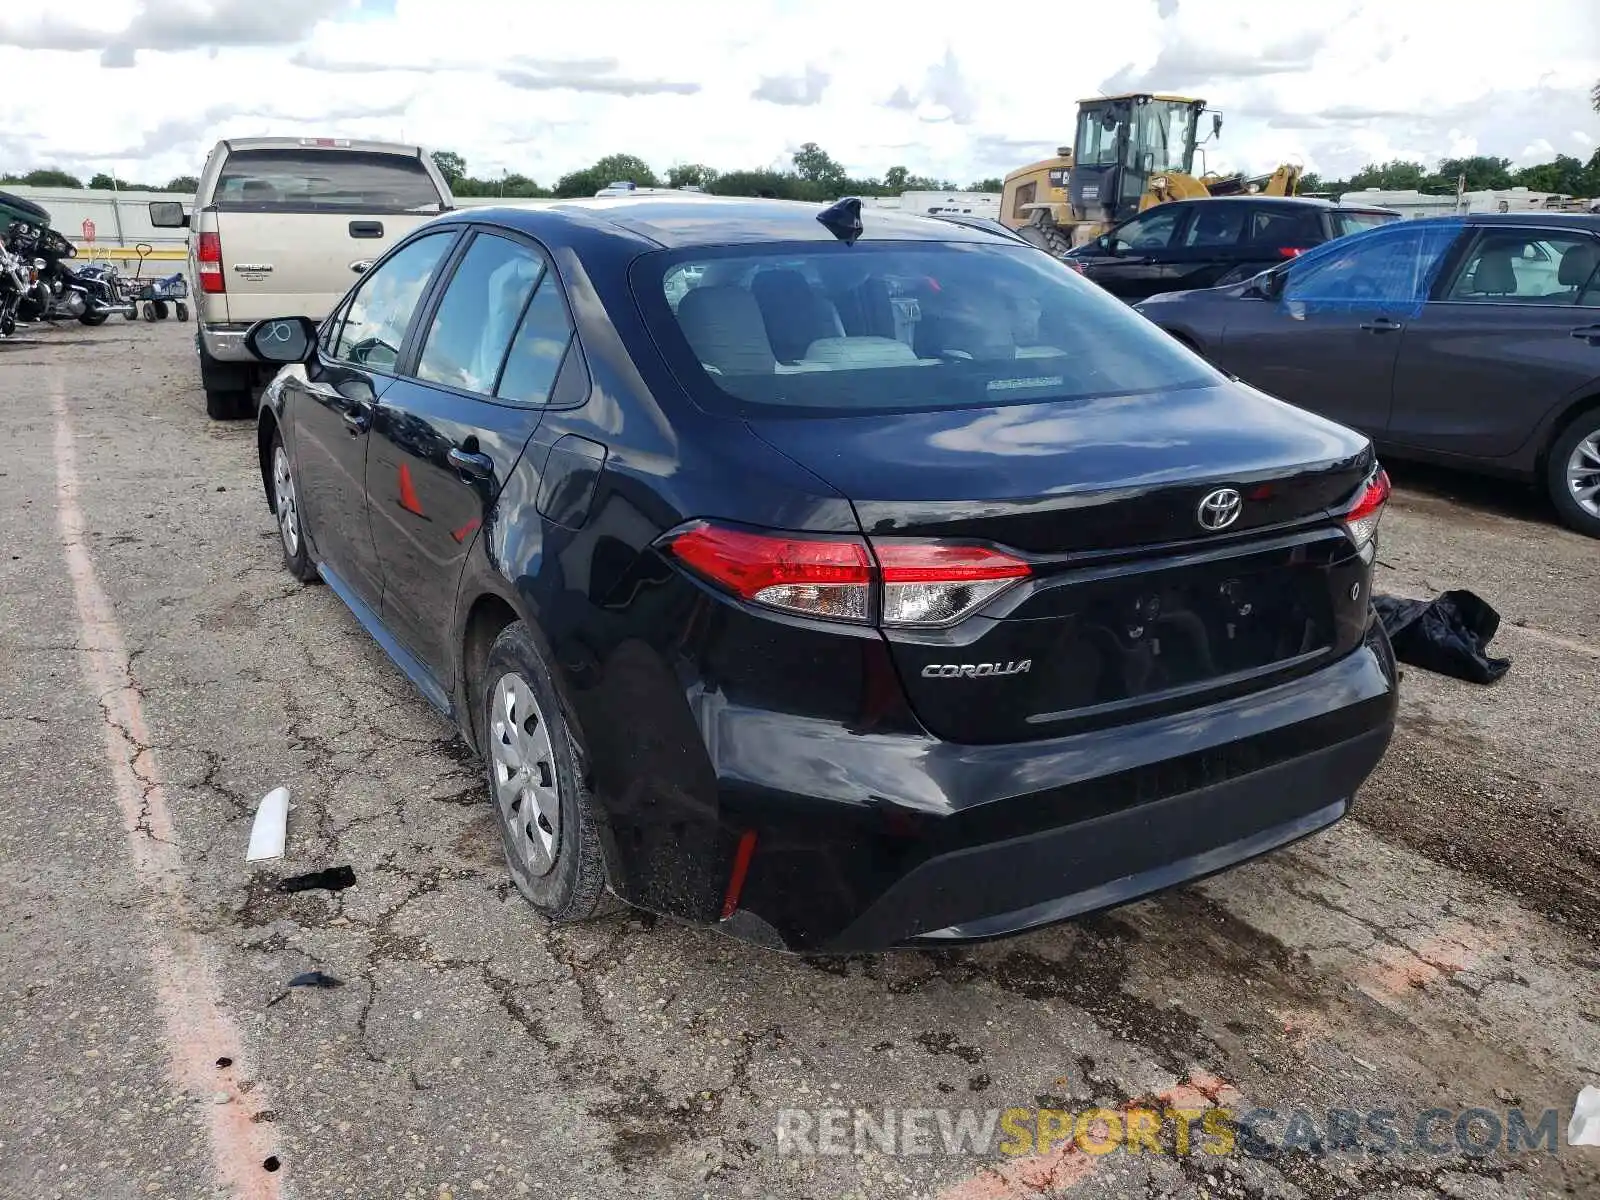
(149, 311)
(182, 310)
(90, 318)
(537, 784)
(1573, 466)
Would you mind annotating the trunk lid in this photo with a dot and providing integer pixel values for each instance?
(1132, 606)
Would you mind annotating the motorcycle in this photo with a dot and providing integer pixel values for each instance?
(57, 291)
(14, 285)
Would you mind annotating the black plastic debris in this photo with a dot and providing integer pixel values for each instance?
(334, 879)
(307, 979)
(842, 218)
(1449, 634)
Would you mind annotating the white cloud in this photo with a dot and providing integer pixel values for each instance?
(939, 87)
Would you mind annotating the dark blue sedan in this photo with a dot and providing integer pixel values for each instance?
(1472, 342)
(839, 578)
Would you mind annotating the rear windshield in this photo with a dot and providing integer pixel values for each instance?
(1346, 222)
(324, 180)
(898, 326)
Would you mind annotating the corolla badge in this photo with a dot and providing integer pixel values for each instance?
(975, 670)
(1220, 509)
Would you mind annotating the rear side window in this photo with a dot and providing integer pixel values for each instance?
(1346, 223)
(467, 340)
(1285, 228)
(293, 180)
(1217, 224)
(1530, 266)
(897, 326)
(541, 345)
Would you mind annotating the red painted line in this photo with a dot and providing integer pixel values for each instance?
(466, 531)
(196, 1025)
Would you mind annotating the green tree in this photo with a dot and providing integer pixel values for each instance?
(992, 184)
(691, 175)
(451, 165)
(182, 183)
(816, 165)
(613, 168)
(1483, 173)
(104, 182)
(895, 179)
(1566, 174)
(1594, 97)
(49, 177)
(521, 187)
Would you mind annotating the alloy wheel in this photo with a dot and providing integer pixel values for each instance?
(1583, 474)
(288, 509)
(524, 771)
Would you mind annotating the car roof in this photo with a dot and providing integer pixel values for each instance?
(1283, 202)
(1534, 216)
(685, 220)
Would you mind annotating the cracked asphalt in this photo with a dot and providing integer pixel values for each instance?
(1439, 949)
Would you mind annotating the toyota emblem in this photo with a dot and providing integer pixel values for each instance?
(1220, 509)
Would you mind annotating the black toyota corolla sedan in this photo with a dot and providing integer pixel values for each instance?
(839, 578)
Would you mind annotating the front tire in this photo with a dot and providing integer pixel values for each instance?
(90, 318)
(537, 783)
(1572, 474)
(286, 507)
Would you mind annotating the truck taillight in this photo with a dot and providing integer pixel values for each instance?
(208, 261)
(900, 583)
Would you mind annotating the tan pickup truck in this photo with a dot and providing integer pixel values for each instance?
(281, 227)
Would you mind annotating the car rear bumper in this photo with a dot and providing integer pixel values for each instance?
(866, 841)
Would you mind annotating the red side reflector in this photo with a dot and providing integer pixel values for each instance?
(741, 868)
(208, 259)
(1291, 251)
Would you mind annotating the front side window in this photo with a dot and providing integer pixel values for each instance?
(1098, 134)
(1529, 266)
(468, 336)
(1152, 231)
(380, 311)
(897, 326)
(1392, 267)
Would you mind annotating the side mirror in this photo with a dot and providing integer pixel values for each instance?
(168, 214)
(282, 340)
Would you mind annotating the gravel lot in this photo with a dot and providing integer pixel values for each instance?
(161, 672)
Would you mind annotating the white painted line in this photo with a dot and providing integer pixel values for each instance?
(198, 1031)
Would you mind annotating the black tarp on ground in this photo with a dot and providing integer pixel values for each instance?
(1449, 634)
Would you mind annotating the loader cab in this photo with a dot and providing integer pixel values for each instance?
(1124, 141)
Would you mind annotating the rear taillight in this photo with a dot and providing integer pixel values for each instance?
(927, 583)
(208, 261)
(1361, 522)
(1291, 251)
(908, 583)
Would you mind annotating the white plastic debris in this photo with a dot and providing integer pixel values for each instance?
(267, 835)
(1585, 1127)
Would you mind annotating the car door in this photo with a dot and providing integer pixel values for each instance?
(331, 405)
(448, 433)
(1134, 260)
(1514, 332)
(1327, 333)
(1207, 246)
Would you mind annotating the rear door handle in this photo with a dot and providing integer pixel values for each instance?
(1381, 325)
(470, 462)
(1588, 333)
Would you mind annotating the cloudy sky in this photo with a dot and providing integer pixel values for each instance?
(952, 88)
